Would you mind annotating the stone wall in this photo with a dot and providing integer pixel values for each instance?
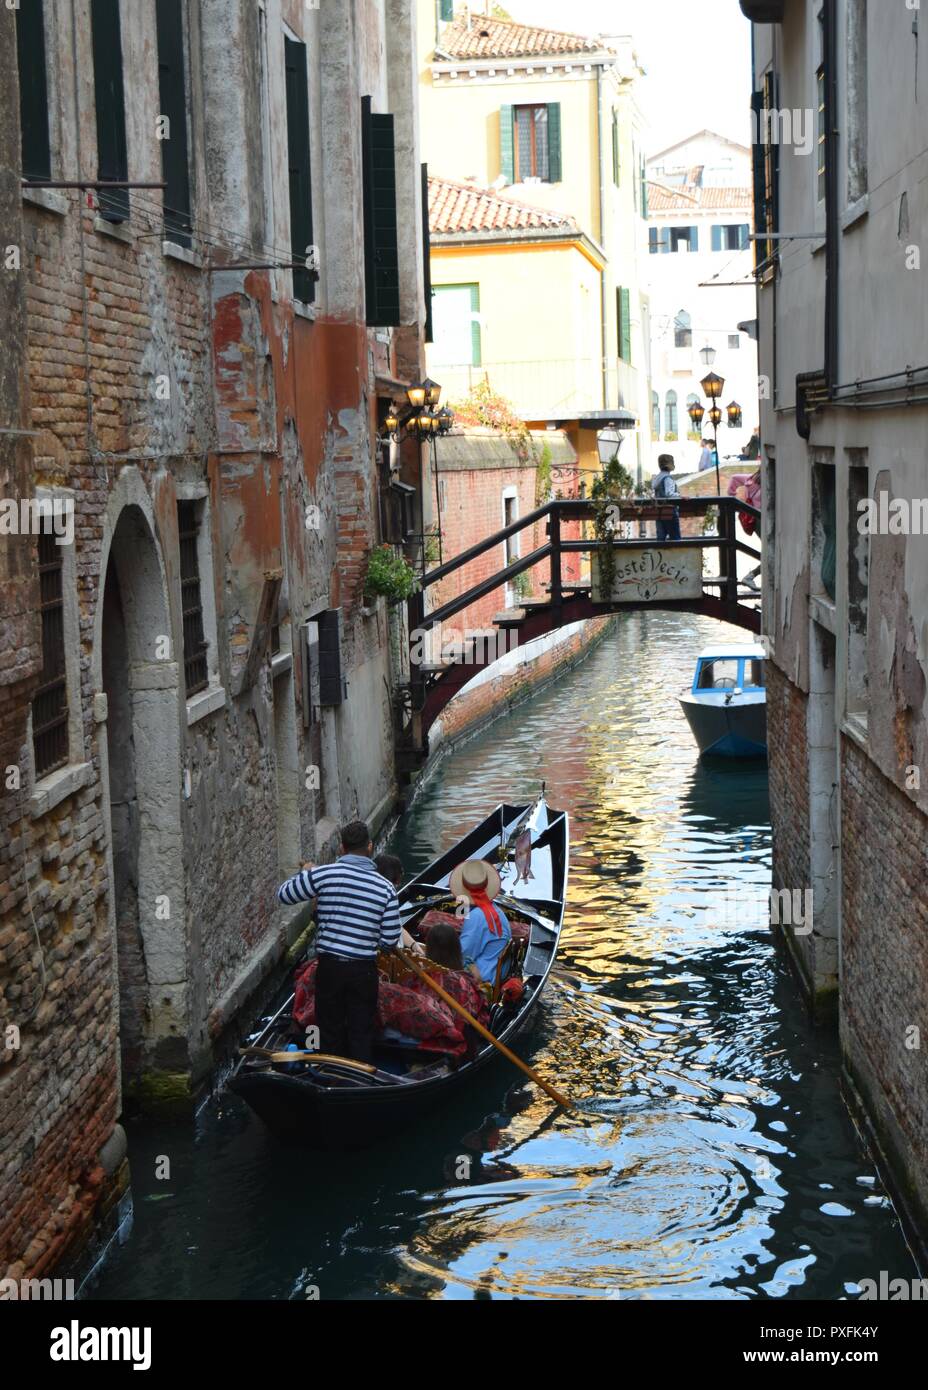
(788, 761)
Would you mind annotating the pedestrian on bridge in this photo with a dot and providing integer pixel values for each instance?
(665, 487)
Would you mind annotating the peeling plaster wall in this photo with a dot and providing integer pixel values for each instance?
(849, 748)
(153, 380)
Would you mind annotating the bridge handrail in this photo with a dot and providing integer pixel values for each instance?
(579, 509)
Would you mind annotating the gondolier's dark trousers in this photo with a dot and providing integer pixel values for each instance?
(346, 1006)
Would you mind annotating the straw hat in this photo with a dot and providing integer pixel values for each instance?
(478, 874)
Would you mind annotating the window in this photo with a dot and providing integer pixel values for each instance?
(821, 133)
(670, 413)
(196, 673)
(857, 100)
(684, 239)
(655, 414)
(172, 91)
(718, 675)
(298, 162)
(510, 515)
(824, 526)
(109, 100)
(659, 240)
(766, 174)
(616, 162)
(624, 323)
(734, 342)
(683, 330)
(731, 237)
(33, 90)
(456, 325)
(50, 702)
(530, 143)
(381, 249)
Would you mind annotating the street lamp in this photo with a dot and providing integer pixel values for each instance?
(712, 387)
(708, 355)
(733, 410)
(696, 413)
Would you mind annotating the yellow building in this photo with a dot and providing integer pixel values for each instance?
(550, 310)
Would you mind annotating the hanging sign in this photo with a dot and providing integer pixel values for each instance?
(645, 574)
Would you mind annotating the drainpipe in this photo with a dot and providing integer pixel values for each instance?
(830, 40)
(602, 225)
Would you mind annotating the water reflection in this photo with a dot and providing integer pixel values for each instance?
(710, 1155)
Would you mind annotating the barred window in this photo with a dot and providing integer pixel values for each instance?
(196, 673)
(50, 702)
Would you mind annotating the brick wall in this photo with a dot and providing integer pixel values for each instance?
(884, 977)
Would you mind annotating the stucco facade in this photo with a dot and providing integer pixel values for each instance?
(842, 306)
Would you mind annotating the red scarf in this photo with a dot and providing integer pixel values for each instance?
(478, 897)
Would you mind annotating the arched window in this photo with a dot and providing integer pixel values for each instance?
(655, 414)
(683, 330)
(670, 412)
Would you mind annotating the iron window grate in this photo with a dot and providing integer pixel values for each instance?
(196, 672)
(50, 701)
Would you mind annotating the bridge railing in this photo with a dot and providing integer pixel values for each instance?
(561, 510)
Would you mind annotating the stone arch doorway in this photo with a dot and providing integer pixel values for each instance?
(140, 751)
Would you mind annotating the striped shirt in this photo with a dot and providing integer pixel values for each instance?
(357, 910)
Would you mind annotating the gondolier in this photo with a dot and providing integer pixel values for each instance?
(358, 915)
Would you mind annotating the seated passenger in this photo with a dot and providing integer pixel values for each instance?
(443, 946)
(485, 931)
(391, 868)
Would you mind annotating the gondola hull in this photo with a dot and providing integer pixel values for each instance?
(354, 1111)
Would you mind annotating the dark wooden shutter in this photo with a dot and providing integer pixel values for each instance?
(331, 685)
(554, 142)
(381, 250)
(507, 144)
(298, 160)
(426, 253)
(33, 90)
(109, 100)
(172, 92)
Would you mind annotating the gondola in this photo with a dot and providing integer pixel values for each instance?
(336, 1103)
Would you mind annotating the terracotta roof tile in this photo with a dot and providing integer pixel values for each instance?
(459, 207)
(499, 38)
(692, 199)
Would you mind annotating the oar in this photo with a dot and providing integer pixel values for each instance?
(267, 1055)
(562, 1101)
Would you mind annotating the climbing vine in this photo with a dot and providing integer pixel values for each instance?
(487, 408)
(613, 485)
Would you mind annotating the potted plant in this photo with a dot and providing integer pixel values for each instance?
(388, 576)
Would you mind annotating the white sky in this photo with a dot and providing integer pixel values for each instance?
(697, 54)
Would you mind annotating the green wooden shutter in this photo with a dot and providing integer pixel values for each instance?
(446, 11)
(716, 238)
(172, 95)
(476, 358)
(625, 326)
(33, 90)
(507, 144)
(381, 246)
(554, 142)
(616, 167)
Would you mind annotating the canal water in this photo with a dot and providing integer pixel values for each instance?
(711, 1156)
